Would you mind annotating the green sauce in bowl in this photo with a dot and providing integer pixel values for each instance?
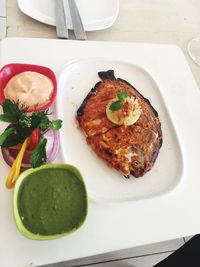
(50, 201)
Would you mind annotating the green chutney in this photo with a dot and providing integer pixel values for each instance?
(52, 201)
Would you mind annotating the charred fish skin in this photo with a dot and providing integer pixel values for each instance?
(133, 149)
(80, 110)
(107, 75)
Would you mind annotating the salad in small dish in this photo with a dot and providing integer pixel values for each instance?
(31, 137)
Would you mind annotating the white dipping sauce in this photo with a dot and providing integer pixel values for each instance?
(29, 88)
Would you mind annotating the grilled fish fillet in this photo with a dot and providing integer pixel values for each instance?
(130, 149)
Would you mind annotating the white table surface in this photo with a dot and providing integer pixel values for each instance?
(156, 21)
(151, 21)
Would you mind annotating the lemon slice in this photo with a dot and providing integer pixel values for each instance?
(127, 115)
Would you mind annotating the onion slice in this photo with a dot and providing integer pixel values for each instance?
(52, 149)
(9, 159)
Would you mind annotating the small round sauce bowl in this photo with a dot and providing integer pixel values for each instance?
(50, 201)
(10, 70)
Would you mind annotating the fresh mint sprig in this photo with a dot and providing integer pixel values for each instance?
(118, 104)
(21, 126)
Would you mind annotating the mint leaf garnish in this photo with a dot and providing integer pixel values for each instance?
(56, 124)
(122, 95)
(8, 117)
(120, 102)
(116, 105)
(11, 111)
(6, 135)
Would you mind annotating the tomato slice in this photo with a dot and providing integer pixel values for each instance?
(34, 139)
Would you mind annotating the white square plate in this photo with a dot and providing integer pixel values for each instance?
(95, 14)
(123, 224)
